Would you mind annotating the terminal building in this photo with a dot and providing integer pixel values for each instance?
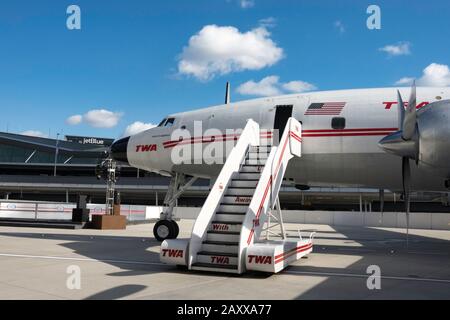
(42, 169)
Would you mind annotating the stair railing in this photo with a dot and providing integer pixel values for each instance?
(266, 193)
(250, 136)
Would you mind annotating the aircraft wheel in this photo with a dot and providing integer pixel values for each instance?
(164, 229)
(176, 229)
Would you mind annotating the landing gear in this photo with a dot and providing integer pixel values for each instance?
(167, 228)
(176, 229)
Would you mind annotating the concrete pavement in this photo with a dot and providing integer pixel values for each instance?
(39, 263)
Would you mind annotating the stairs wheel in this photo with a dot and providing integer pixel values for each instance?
(165, 229)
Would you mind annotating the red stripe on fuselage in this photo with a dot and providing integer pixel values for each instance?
(209, 139)
(306, 133)
(350, 130)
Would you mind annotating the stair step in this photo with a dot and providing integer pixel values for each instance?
(235, 204)
(219, 259)
(240, 192)
(248, 176)
(228, 226)
(236, 199)
(213, 267)
(223, 236)
(221, 243)
(224, 232)
(233, 208)
(221, 247)
(261, 149)
(255, 161)
(236, 183)
(225, 217)
(212, 253)
(228, 222)
(250, 168)
(257, 154)
(231, 213)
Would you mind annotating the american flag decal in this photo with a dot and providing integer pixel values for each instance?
(325, 109)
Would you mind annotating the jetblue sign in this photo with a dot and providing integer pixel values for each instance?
(91, 141)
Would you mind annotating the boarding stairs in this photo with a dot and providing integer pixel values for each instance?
(226, 236)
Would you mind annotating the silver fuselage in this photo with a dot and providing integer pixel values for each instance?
(348, 157)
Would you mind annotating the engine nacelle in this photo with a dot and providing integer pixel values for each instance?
(434, 137)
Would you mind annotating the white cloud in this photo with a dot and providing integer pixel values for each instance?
(102, 118)
(271, 86)
(298, 86)
(339, 26)
(217, 50)
(245, 4)
(97, 118)
(74, 120)
(407, 81)
(268, 86)
(137, 127)
(399, 49)
(435, 75)
(34, 133)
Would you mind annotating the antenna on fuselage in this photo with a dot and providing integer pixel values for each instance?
(227, 94)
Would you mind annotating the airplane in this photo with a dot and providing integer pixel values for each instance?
(350, 138)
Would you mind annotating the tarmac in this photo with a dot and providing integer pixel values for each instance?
(93, 264)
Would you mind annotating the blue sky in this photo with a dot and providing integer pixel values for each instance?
(125, 59)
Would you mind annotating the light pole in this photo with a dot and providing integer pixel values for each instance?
(56, 154)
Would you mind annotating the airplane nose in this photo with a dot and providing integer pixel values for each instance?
(119, 150)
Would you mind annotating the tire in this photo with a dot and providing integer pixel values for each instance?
(176, 229)
(164, 229)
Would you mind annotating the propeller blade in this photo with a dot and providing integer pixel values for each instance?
(409, 124)
(406, 177)
(401, 110)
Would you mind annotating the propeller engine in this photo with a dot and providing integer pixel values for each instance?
(405, 143)
(422, 137)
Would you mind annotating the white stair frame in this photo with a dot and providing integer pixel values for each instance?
(250, 136)
(266, 193)
(266, 256)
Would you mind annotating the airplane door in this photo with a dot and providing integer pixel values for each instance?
(282, 115)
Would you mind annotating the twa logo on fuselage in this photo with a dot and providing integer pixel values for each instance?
(389, 105)
(147, 148)
(242, 200)
(220, 260)
(172, 253)
(259, 259)
(220, 227)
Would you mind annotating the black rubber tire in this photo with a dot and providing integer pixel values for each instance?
(170, 230)
(176, 229)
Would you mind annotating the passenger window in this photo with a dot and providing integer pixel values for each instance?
(169, 122)
(338, 123)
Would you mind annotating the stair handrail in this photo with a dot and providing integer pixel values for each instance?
(268, 187)
(250, 136)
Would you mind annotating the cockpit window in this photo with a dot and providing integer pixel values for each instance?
(169, 122)
(162, 122)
